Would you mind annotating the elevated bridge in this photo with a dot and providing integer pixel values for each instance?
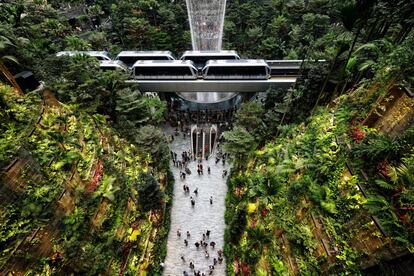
(201, 85)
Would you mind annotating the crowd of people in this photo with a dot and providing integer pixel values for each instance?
(204, 244)
(203, 247)
(200, 116)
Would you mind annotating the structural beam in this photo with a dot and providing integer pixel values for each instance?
(200, 85)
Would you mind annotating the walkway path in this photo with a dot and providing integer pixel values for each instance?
(198, 219)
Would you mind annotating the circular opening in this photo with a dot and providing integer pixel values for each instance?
(204, 97)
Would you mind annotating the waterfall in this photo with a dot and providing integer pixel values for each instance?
(206, 23)
(206, 19)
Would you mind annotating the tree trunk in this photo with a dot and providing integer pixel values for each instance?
(325, 82)
(353, 45)
(349, 56)
(6, 72)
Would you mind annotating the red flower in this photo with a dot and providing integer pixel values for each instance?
(383, 168)
(357, 135)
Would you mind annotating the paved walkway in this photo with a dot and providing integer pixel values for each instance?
(198, 219)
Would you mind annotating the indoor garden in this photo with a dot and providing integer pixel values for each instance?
(298, 160)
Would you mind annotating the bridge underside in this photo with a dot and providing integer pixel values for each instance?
(184, 86)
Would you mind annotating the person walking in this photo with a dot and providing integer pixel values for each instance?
(196, 244)
(178, 233)
(192, 202)
(188, 234)
(208, 233)
(212, 244)
(186, 242)
(208, 170)
(211, 200)
(196, 191)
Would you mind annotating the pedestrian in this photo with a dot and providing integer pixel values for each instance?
(212, 244)
(219, 252)
(186, 242)
(185, 273)
(198, 171)
(178, 233)
(196, 244)
(191, 265)
(211, 200)
(187, 189)
(224, 161)
(220, 259)
(208, 233)
(182, 258)
(215, 261)
(192, 202)
(188, 234)
(206, 255)
(204, 237)
(196, 191)
(208, 170)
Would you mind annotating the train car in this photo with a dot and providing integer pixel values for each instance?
(244, 69)
(200, 58)
(130, 57)
(285, 67)
(164, 69)
(112, 65)
(99, 55)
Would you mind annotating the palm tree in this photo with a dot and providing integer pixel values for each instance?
(5, 44)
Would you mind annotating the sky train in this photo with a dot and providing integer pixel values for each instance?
(130, 57)
(164, 69)
(208, 65)
(200, 58)
(100, 55)
(213, 70)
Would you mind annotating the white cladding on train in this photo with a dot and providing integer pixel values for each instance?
(164, 69)
(236, 69)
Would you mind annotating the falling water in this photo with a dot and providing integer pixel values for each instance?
(206, 24)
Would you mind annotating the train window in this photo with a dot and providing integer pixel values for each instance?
(204, 59)
(128, 60)
(163, 71)
(237, 71)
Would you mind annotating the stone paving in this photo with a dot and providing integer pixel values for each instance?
(198, 219)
